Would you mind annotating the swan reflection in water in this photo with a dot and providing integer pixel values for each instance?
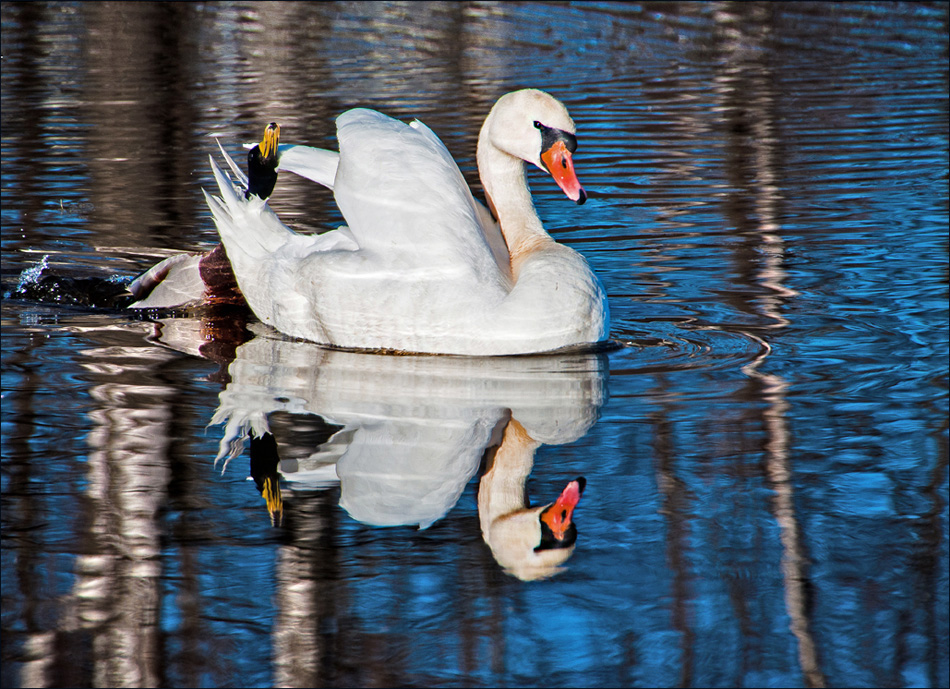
(403, 435)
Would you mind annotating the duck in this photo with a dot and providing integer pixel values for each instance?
(421, 266)
(186, 279)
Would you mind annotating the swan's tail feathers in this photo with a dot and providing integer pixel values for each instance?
(241, 245)
(230, 193)
(316, 164)
(238, 173)
(247, 225)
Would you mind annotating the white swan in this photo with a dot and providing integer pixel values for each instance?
(422, 266)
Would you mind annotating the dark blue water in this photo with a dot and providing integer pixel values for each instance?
(765, 447)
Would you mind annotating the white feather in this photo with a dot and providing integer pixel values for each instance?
(422, 267)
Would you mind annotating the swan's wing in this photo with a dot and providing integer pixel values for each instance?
(490, 227)
(404, 197)
(316, 164)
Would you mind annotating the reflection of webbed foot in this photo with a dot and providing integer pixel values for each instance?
(264, 463)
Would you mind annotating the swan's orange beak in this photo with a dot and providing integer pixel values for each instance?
(557, 159)
(558, 516)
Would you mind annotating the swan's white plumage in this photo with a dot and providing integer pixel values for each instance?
(422, 266)
(316, 164)
(403, 195)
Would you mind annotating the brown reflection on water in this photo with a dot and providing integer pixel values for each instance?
(106, 630)
(676, 510)
(25, 114)
(119, 576)
(140, 84)
(308, 599)
(747, 94)
(26, 511)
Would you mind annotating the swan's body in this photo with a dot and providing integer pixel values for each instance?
(422, 266)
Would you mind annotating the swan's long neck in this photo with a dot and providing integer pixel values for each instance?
(501, 488)
(503, 177)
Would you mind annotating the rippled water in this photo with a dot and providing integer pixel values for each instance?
(765, 447)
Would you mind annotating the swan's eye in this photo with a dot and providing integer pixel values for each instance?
(537, 125)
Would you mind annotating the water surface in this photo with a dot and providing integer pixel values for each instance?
(765, 446)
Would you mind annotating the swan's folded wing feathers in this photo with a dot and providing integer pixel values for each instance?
(402, 193)
(490, 228)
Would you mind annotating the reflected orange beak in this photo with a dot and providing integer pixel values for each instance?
(271, 140)
(558, 516)
(557, 159)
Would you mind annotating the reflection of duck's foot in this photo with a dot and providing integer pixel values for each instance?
(264, 463)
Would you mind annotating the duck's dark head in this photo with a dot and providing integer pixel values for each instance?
(262, 164)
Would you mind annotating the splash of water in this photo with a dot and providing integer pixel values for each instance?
(31, 276)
